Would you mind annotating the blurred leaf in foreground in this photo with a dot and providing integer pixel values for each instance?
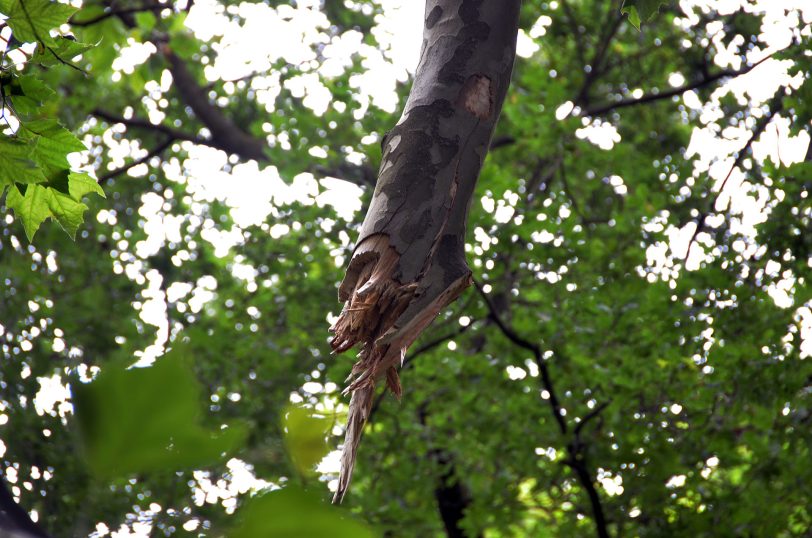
(306, 437)
(294, 513)
(148, 419)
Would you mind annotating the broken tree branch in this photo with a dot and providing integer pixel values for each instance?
(409, 261)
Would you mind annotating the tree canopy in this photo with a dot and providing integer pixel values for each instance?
(633, 359)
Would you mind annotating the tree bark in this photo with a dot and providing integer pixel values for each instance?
(409, 260)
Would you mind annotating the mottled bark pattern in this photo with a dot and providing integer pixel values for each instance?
(409, 261)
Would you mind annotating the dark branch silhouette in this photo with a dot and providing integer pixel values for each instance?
(154, 152)
(225, 134)
(651, 97)
(701, 220)
(137, 123)
(119, 12)
(576, 449)
(14, 520)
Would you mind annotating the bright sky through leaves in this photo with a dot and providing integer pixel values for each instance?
(255, 197)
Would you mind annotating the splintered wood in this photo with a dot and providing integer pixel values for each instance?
(373, 302)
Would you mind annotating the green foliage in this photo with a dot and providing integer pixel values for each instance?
(34, 166)
(688, 382)
(640, 11)
(306, 437)
(147, 419)
(32, 20)
(39, 202)
(291, 513)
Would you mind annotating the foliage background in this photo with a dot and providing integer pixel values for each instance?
(640, 239)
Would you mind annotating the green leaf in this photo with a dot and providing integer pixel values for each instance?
(62, 51)
(32, 208)
(293, 513)
(640, 11)
(17, 164)
(145, 20)
(80, 184)
(54, 142)
(68, 212)
(634, 17)
(148, 419)
(35, 89)
(32, 20)
(306, 437)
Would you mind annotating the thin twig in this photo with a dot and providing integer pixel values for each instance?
(514, 337)
(146, 125)
(154, 152)
(648, 98)
(589, 416)
(576, 449)
(120, 11)
(701, 220)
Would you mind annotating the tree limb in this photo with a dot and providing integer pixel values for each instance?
(651, 97)
(137, 123)
(761, 125)
(520, 341)
(225, 134)
(14, 520)
(154, 152)
(118, 12)
(576, 449)
(613, 23)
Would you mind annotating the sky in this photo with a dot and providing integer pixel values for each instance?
(244, 49)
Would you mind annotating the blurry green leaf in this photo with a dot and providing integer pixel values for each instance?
(145, 20)
(640, 11)
(306, 437)
(294, 513)
(148, 419)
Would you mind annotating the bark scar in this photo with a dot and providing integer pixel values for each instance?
(476, 96)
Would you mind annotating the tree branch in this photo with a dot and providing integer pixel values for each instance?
(613, 22)
(225, 134)
(137, 123)
(14, 520)
(118, 12)
(514, 337)
(576, 449)
(651, 97)
(761, 125)
(154, 152)
(578, 464)
(589, 416)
